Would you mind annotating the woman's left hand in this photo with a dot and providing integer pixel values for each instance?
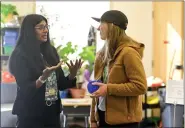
(102, 91)
(74, 67)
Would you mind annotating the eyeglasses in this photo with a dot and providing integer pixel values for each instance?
(42, 27)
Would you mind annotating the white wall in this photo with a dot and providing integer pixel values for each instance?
(139, 26)
(72, 25)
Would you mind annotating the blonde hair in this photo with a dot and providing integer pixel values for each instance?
(114, 37)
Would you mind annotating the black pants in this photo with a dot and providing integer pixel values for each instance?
(103, 124)
(50, 119)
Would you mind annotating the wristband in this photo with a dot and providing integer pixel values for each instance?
(42, 81)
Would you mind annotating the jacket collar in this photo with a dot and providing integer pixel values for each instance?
(127, 43)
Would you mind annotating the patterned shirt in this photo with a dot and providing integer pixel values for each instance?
(51, 88)
(51, 85)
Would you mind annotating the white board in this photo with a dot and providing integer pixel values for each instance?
(175, 92)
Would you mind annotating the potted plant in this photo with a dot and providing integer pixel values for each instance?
(7, 12)
(64, 52)
(87, 55)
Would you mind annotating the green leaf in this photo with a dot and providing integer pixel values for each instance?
(59, 47)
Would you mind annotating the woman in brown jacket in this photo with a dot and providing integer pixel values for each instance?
(118, 101)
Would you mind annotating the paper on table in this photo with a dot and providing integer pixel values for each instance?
(175, 92)
(76, 101)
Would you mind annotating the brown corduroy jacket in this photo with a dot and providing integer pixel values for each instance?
(125, 86)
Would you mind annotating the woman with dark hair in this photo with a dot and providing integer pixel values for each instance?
(37, 69)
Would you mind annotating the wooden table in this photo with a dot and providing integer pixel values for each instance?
(76, 108)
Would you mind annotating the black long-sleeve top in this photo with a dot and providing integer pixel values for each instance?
(30, 101)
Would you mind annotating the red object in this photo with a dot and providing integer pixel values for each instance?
(157, 84)
(77, 93)
(166, 42)
(7, 77)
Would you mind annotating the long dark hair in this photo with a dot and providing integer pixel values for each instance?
(30, 47)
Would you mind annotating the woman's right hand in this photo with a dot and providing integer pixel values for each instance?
(94, 125)
(46, 72)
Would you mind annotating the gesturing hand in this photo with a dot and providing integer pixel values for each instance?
(47, 71)
(74, 67)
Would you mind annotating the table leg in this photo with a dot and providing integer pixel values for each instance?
(86, 122)
(65, 121)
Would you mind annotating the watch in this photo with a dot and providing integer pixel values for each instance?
(42, 81)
